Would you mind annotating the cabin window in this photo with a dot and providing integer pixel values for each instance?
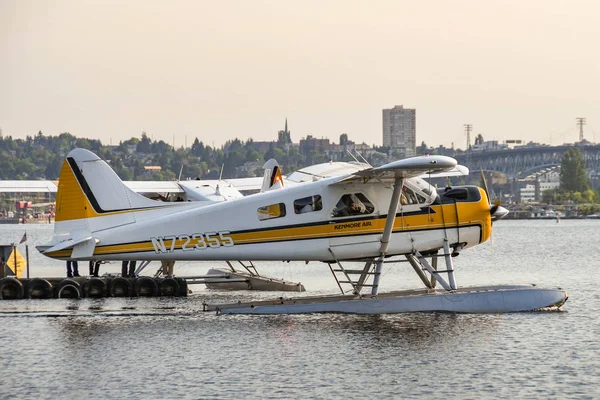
(272, 211)
(458, 194)
(409, 196)
(450, 195)
(352, 204)
(308, 204)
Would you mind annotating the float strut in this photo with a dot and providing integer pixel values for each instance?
(387, 232)
(434, 260)
(449, 264)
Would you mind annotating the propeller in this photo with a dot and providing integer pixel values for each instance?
(495, 206)
(496, 210)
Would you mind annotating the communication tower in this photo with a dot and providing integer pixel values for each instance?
(468, 129)
(580, 123)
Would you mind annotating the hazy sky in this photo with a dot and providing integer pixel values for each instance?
(217, 70)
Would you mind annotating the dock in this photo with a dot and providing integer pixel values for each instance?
(12, 288)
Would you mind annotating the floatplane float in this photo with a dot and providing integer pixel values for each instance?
(373, 216)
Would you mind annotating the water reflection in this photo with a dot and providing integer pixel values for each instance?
(418, 330)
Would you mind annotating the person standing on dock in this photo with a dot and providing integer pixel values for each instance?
(74, 272)
(124, 272)
(94, 268)
(168, 267)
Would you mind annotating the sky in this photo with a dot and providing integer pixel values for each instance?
(219, 70)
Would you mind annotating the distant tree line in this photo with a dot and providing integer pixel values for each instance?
(41, 157)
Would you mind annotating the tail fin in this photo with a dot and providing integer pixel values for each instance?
(90, 197)
(88, 188)
(272, 178)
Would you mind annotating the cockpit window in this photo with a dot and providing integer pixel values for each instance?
(458, 194)
(427, 191)
(352, 204)
(409, 196)
(272, 211)
(308, 204)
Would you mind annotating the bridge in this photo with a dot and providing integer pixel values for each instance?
(522, 162)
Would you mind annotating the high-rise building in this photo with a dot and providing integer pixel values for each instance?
(399, 130)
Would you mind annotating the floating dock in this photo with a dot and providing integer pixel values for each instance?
(12, 288)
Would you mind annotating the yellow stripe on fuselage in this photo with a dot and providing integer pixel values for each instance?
(442, 216)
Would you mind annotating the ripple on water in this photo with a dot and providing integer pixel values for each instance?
(169, 348)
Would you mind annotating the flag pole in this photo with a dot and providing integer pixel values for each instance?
(27, 258)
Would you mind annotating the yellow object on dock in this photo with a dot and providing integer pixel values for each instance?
(16, 262)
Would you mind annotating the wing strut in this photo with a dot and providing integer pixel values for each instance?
(387, 232)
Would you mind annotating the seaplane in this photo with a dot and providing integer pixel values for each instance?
(374, 215)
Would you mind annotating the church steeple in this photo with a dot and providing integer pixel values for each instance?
(284, 136)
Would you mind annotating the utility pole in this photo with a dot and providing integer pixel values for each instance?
(581, 123)
(468, 129)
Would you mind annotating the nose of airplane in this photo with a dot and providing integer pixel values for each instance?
(498, 212)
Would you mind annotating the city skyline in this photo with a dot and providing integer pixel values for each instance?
(218, 71)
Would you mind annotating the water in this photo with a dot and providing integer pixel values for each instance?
(168, 348)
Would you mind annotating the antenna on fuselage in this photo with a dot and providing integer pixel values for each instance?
(356, 159)
(364, 159)
(218, 189)
(352, 155)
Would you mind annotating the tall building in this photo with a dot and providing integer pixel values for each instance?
(399, 130)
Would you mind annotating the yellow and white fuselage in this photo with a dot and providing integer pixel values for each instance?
(97, 217)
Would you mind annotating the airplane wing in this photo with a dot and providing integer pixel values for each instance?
(28, 186)
(51, 186)
(246, 184)
(406, 168)
(459, 170)
(306, 174)
(154, 186)
(325, 170)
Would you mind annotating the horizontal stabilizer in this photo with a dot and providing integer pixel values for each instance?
(67, 244)
(84, 249)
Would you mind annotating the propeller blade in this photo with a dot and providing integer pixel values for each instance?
(484, 185)
(494, 208)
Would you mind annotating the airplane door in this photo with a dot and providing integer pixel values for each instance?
(354, 233)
